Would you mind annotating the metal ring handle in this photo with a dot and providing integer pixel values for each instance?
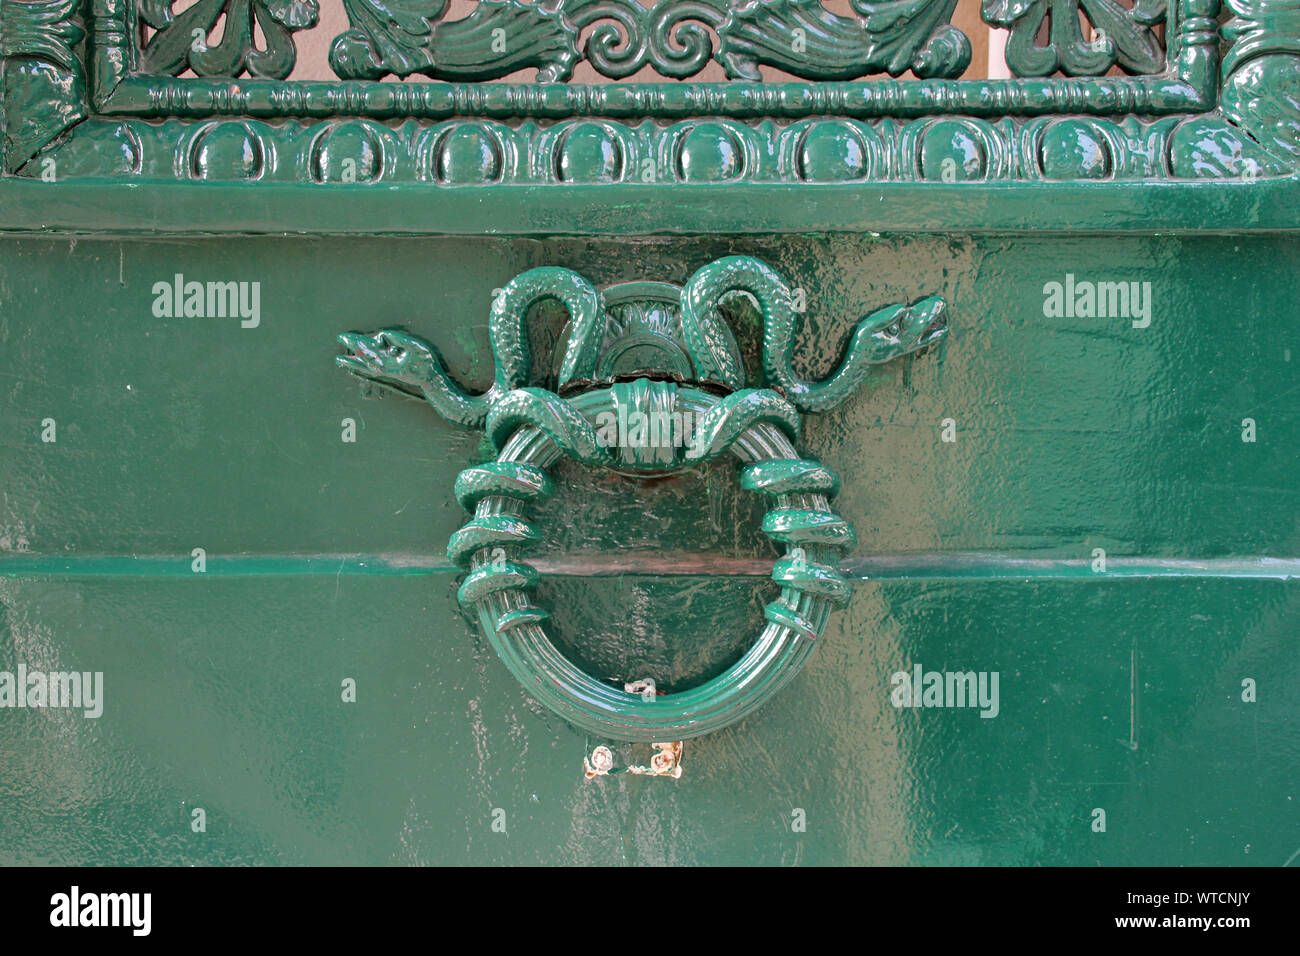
(496, 588)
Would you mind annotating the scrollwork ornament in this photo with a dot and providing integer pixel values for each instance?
(674, 37)
(618, 43)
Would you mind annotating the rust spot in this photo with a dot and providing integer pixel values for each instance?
(599, 763)
(667, 762)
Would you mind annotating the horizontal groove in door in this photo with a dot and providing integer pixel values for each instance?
(905, 566)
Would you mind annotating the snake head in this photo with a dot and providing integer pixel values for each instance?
(390, 357)
(904, 329)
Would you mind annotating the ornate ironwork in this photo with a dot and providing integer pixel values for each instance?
(1179, 117)
(650, 382)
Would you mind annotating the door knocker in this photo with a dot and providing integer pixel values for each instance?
(659, 356)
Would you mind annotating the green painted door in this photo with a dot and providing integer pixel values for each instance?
(1003, 573)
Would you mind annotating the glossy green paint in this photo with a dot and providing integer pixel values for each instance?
(116, 109)
(1096, 508)
(1119, 689)
(628, 210)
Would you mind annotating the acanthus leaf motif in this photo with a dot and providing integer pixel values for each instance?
(42, 29)
(1122, 35)
(181, 39)
(884, 37)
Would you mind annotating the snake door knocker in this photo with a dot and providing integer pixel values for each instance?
(653, 355)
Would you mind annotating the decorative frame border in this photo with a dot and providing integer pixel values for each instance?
(75, 106)
(1188, 86)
